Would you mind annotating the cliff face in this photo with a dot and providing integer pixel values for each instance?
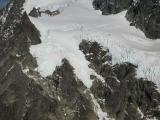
(19, 95)
(143, 14)
(122, 95)
(26, 95)
(111, 6)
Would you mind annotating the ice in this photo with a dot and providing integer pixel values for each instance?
(62, 34)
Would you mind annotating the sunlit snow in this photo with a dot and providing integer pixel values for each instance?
(62, 34)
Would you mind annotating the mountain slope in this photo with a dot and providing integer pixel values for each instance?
(65, 65)
(129, 43)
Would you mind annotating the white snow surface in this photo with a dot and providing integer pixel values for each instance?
(101, 115)
(62, 34)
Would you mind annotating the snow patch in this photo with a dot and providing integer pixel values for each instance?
(101, 115)
(140, 112)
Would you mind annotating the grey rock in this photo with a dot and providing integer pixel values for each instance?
(111, 6)
(35, 13)
(144, 14)
(123, 94)
(71, 91)
(26, 95)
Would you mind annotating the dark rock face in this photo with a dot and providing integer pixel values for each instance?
(26, 95)
(122, 95)
(30, 30)
(16, 30)
(21, 98)
(51, 13)
(145, 15)
(9, 18)
(94, 53)
(78, 107)
(111, 6)
(35, 12)
(38, 12)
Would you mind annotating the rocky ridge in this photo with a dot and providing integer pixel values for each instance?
(111, 6)
(143, 14)
(26, 95)
(122, 94)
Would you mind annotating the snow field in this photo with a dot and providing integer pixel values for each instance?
(62, 34)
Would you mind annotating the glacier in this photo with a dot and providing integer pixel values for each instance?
(62, 34)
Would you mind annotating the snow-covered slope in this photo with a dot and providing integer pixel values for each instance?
(62, 34)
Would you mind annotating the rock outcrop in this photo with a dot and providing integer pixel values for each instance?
(26, 95)
(77, 105)
(20, 97)
(122, 95)
(144, 14)
(38, 12)
(111, 6)
(35, 12)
